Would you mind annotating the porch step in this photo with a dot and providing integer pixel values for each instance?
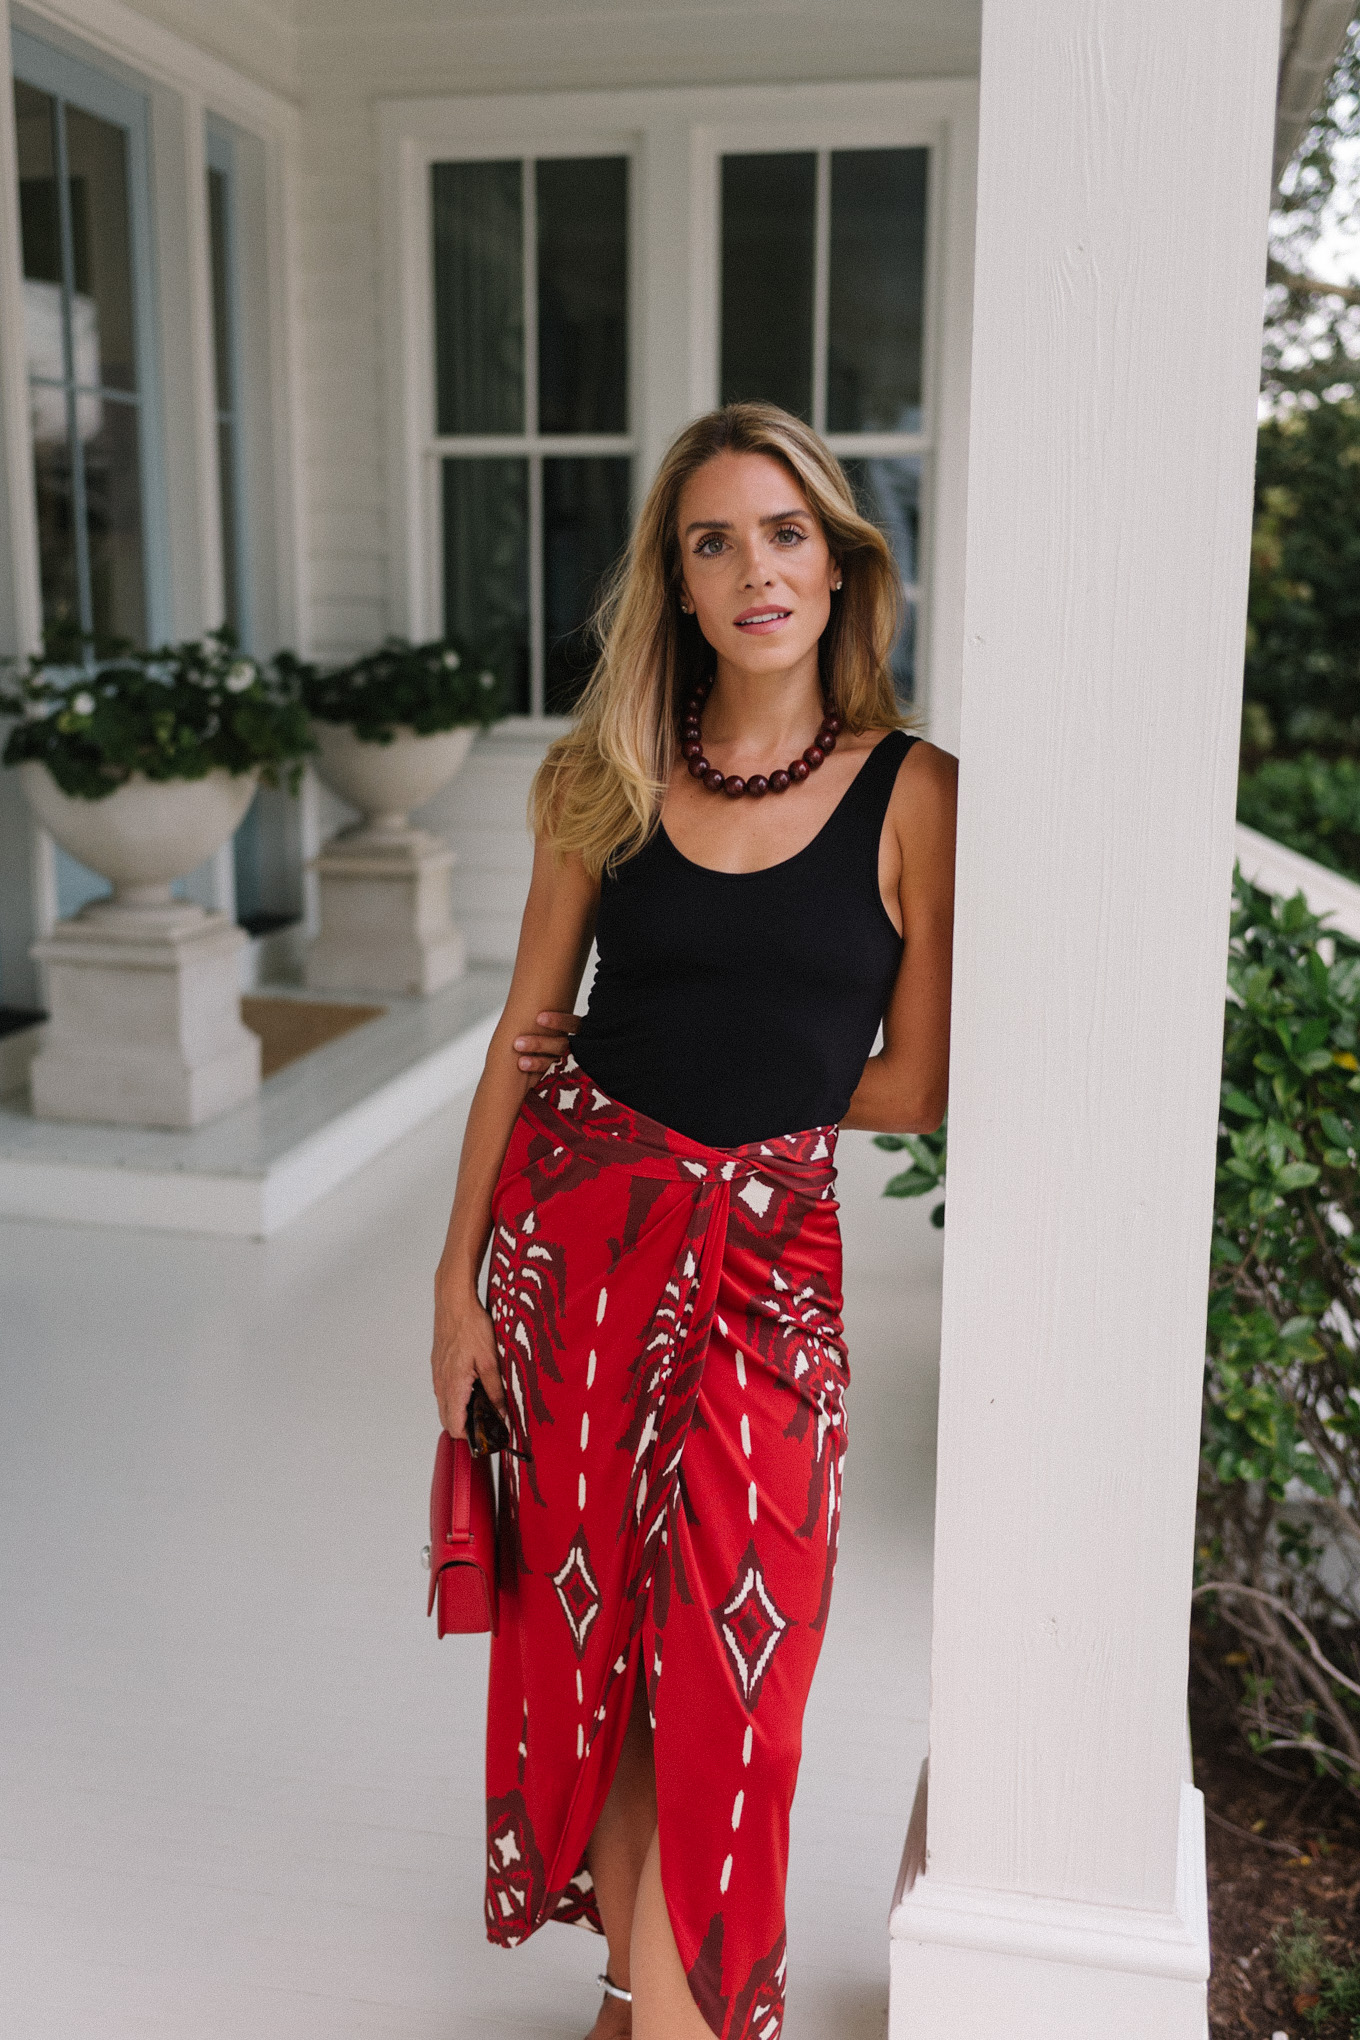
(245, 1175)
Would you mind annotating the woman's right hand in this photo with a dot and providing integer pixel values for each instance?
(464, 1351)
(536, 1053)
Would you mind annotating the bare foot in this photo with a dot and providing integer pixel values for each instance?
(615, 2021)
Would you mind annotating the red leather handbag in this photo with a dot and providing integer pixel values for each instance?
(461, 1553)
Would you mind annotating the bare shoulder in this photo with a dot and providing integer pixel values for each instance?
(926, 762)
(926, 788)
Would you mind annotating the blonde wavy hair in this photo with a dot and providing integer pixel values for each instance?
(599, 790)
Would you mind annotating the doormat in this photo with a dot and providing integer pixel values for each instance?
(291, 1028)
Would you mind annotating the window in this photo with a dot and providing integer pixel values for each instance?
(822, 300)
(83, 213)
(221, 195)
(532, 426)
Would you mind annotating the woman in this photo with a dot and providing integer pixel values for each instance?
(655, 1183)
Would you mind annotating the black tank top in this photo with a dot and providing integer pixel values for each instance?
(737, 1005)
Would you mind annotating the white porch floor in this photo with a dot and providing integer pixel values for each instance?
(240, 1782)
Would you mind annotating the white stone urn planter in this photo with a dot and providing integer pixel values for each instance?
(385, 781)
(145, 1026)
(148, 832)
(386, 923)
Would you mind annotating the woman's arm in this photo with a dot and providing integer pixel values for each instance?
(904, 1089)
(554, 942)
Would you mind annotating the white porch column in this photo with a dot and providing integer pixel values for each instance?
(1123, 182)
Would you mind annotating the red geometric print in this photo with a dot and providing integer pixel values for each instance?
(514, 1874)
(751, 1627)
(668, 1321)
(758, 2012)
(577, 1591)
(524, 1288)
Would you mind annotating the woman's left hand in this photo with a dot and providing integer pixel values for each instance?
(538, 1052)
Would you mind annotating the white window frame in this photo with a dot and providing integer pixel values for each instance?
(676, 137)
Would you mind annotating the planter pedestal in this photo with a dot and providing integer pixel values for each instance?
(145, 1026)
(386, 923)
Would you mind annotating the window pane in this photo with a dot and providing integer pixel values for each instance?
(478, 215)
(101, 243)
(224, 385)
(41, 231)
(55, 514)
(229, 510)
(582, 294)
(877, 287)
(889, 493)
(486, 565)
(585, 528)
(221, 300)
(768, 220)
(113, 500)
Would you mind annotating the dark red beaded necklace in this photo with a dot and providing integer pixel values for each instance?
(733, 785)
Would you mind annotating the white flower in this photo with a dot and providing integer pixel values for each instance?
(452, 660)
(240, 676)
(486, 679)
(83, 703)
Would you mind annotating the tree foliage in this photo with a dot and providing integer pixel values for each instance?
(1311, 804)
(1303, 631)
(1312, 339)
(1303, 615)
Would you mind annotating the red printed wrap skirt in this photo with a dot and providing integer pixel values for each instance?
(668, 1317)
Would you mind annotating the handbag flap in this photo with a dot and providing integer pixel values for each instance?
(462, 1537)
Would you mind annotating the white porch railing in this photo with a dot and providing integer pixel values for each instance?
(1274, 869)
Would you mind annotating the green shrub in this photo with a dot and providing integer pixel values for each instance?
(1282, 1381)
(177, 713)
(1311, 804)
(430, 687)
